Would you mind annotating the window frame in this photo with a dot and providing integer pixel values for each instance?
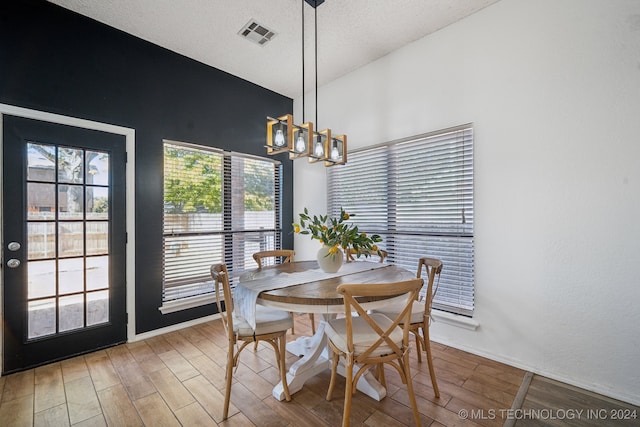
(232, 248)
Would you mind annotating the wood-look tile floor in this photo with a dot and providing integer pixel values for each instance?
(552, 403)
(178, 379)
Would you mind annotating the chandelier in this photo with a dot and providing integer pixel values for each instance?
(302, 140)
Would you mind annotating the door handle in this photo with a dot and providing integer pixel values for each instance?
(14, 246)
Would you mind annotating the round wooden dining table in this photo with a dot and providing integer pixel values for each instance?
(310, 291)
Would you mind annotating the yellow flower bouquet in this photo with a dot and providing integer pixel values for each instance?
(336, 233)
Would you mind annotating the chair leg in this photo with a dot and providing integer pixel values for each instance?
(432, 373)
(283, 369)
(412, 396)
(348, 392)
(313, 323)
(334, 368)
(380, 375)
(416, 333)
(293, 327)
(229, 378)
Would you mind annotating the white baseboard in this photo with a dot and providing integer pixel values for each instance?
(172, 328)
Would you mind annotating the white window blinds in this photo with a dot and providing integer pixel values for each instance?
(219, 207)
(418, 195)
(253, 195)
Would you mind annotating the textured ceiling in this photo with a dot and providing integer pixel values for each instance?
(351, 33)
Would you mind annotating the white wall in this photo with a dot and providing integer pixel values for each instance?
(553, 90)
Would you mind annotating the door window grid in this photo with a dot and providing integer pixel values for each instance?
(67, 249)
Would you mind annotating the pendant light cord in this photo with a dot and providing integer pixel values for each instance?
(315, 27)
(302, 61)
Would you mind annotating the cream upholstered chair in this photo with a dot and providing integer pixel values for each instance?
(285, 255)
(271, 327)
(374, 339)
(421, 314)
(352, 254)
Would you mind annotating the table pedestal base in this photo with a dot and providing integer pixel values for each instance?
(315, 359)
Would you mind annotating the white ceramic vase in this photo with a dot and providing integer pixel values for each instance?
(329, 263)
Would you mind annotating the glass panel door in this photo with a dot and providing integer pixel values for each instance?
(64, 208)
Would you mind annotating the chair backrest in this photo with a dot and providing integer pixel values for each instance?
(287, 255)
(351, 292)
(221, 278)
(364, 252)
(434, 268)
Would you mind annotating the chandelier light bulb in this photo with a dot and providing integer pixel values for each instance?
(279, 139)
(318, 150)
(300, 144)
(335, 154)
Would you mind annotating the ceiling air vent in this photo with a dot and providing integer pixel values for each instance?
(256, 32)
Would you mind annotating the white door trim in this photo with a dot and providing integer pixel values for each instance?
(130, 137)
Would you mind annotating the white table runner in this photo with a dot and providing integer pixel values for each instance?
(246, 293)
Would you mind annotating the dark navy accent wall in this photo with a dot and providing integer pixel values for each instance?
(58, 61)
